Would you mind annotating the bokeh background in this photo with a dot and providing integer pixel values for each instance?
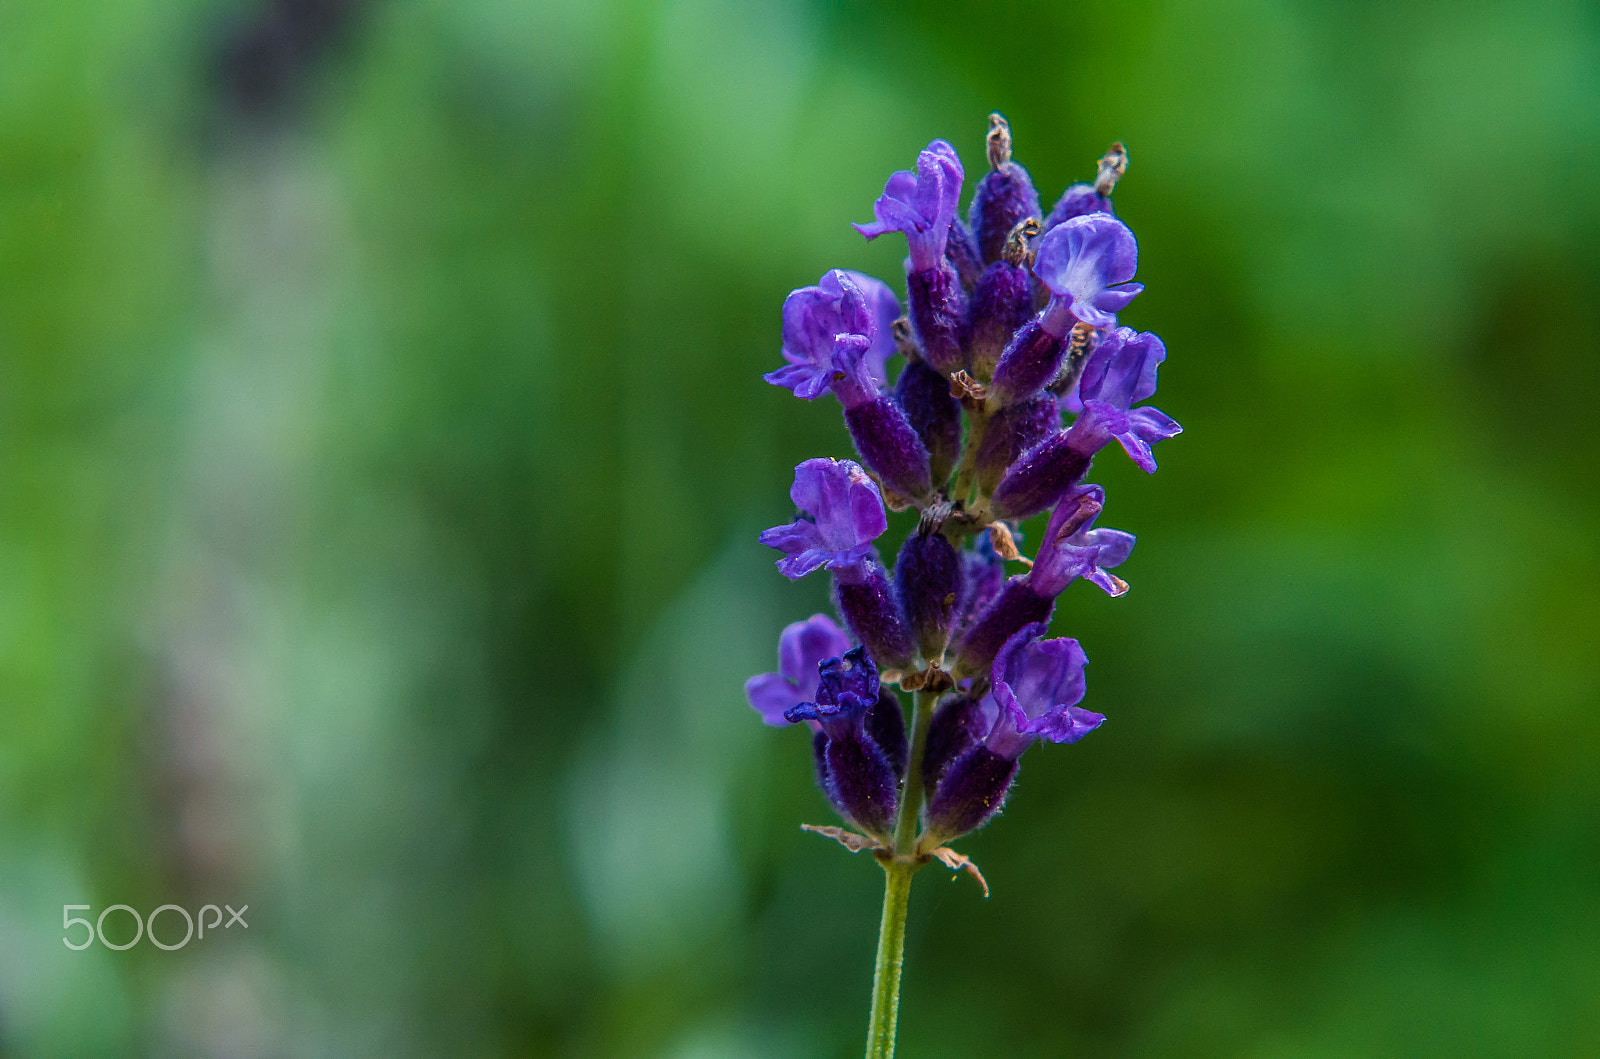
(382, 449)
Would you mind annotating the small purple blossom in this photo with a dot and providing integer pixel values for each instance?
(860, 748)
(1086, 263)
(816, 318)
(1037, 687)
(1119, 373)
(845, 515)
(921, 204)
(1072, 548)
(802, 647)
(847, 687)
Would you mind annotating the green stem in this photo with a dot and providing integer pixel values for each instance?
(891, 955)
(905, 831)
(976, 422)
(898, 867)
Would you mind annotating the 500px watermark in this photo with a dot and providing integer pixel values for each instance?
(144, 926)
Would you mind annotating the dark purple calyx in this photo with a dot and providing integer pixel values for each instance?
(884, 437)
(958, 725)
(1004, 197)
(1040, 477)
(1017, 606)
(971, 792)
(1001, 302)
(1031, 360)
(937, 312)
(873, 614)
(1014, 430)
(927, 576)
(924, 395)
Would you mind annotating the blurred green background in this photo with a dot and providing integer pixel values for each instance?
(382, 449)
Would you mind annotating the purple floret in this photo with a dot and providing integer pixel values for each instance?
(844, 516)
(802, 646)
(1120, 373)
(1038, 686)
(921, 204)
(1073, 549)
(842, 305)
(1086, 263)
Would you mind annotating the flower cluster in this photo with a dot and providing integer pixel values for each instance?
(1015, 375)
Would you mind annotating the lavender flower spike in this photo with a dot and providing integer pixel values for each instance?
(802, 646)
(1073, 549)
(1086, 263)
(920, 204)
(844, 516)
(842, 303)
(1121, 372)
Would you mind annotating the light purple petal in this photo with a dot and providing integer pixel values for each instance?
(844, 516)
(1066, 724)
(813, 320)
(1040, 676)
(806, 381)
(1081, 258)
(1112, 547)
(796, 566)
(883, 309)
(1144, 427)
(803, 645)
(920, 204)
(770, 695)
(1122, 369)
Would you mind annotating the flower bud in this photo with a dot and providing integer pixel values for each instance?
(873, 614)
(927, 576)
(924, 395)
(1014, 430)
(1040, 477)
(1004, 197)
(937, 307)
(1001, 302)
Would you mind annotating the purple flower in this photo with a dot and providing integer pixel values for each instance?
(1035, 693)
(920, 204)
(861, 746)
(802, 647)
(845, 515)
(816, 318)
(847, 687)
(1072, 549)
(1086, 263)
(1037, 687)
(1121, 372)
